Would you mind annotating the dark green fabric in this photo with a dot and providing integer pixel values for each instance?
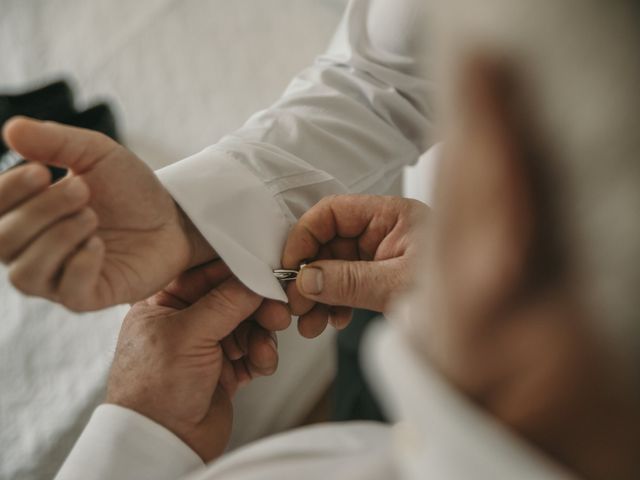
(352, 397)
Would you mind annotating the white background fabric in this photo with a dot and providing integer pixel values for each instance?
(181, 73)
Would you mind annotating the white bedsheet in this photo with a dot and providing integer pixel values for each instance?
(181, 73)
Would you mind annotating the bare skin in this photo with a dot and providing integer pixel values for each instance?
(500, 298)
(368, 246)
(107, 234)
(183, 353)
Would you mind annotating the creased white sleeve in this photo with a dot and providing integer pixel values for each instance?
(118, 443)
(349, 123)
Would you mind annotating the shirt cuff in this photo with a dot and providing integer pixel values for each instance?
(235, 212)
(120, 443)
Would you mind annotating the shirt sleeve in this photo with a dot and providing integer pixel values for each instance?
(439, 430)
(349, 123)
(120, 443)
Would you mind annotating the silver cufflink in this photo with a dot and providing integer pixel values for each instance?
(285, 275)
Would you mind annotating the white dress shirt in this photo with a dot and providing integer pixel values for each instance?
(349, 124)
(438, 434)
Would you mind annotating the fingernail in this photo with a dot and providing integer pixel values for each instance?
(75, 189)
(311, 280)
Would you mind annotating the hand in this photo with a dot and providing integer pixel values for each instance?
(367, 246)
(108, 233)
(506, 310)
(170, 365)
(250, 342)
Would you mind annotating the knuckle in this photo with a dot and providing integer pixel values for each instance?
(326, 203)
(223, 301)
(348, 288)
(328, 200)
(308, 243)
(76, 226)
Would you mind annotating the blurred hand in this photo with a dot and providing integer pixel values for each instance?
(170, 364)
(108, 233)
(367, 247)
(505, 314)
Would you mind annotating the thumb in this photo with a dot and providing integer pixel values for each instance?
(368, 285)
(52, 143)
(220, 311)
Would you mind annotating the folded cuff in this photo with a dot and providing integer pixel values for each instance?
(235, 212)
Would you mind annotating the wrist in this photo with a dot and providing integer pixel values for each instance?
(207, 439)
(200, 251)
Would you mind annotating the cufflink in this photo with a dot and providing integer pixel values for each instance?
(285, 275)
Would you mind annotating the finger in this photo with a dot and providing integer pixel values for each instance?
(347, 216)
(228, 377)
(242, 372)
(273, 316)
(20, 226)
(77, 287)
(56, 144)
(298, 303)
(340, 317)
(314, 323)
(220, 311)
(241, 335)
(367, 285)
(344, 249)
(193, 284)
(231, 348)
(262, 352)
(21, 183)
(35, 270)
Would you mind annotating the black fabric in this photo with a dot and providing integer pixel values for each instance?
(352, 397)
(53, 102)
